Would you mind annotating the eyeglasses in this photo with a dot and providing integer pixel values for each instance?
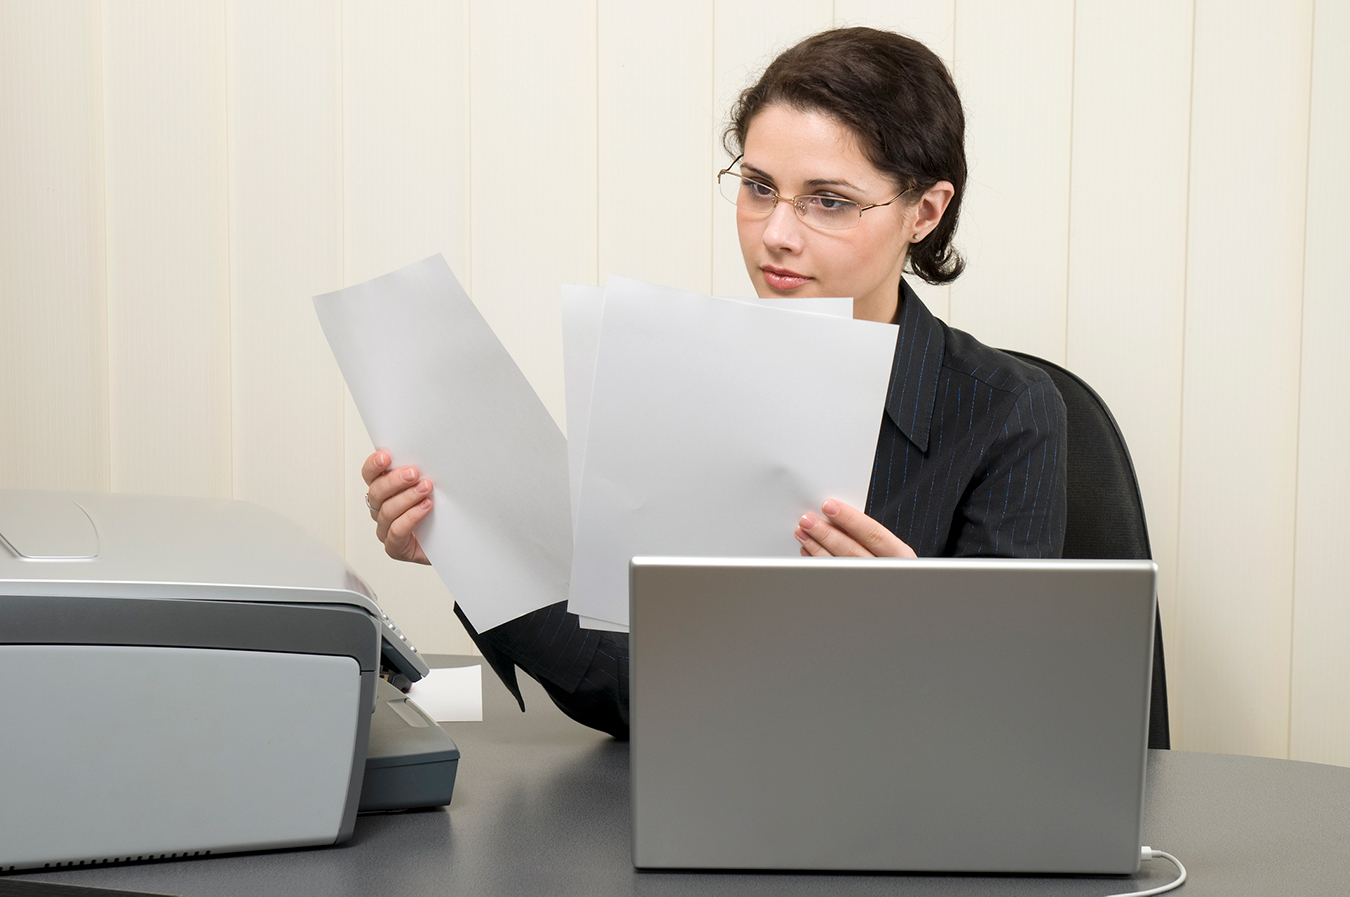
(752, 196)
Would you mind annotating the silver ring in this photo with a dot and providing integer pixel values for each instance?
(372, 508)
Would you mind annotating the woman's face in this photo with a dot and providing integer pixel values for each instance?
(796, 153)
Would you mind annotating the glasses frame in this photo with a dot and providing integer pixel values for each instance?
(798, 202)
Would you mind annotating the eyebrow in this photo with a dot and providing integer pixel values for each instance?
(813, 183)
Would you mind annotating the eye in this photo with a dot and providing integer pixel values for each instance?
(831, 206)
(757, 189)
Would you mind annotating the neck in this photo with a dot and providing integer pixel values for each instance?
(883, 306)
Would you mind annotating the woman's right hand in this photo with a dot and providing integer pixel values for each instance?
(398, 500)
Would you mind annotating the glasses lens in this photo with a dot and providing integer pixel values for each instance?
(829, 212)
(747, 194)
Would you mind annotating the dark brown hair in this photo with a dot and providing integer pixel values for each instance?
(897, 98)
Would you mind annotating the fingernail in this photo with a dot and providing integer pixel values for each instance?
(831, 507)
(807, 521)
(424, 504)
(409, 474)
(382, 459)
(801, 536)
(424, 487)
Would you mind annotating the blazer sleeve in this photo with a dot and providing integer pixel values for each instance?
(583, 671)
(1016, 507)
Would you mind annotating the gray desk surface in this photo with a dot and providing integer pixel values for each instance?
(541, 807)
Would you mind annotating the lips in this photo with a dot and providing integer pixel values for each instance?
(782, 278)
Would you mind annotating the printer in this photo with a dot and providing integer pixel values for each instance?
(186, 677)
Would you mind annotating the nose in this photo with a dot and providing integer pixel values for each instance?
(783, 230)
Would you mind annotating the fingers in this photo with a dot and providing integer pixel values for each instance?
(848, 532)
(398, 500)
(389, 484)
(374, 466)
(810, 547)
(398, 505)
(400, 541)
(385, 483)
(874, 537)
(819, 538)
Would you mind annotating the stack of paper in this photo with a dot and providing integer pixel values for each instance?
(699, 427)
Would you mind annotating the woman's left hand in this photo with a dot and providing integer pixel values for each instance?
(847, 532)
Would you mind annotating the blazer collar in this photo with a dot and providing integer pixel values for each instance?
(914, 374)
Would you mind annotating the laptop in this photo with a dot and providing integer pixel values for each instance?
(888, 715)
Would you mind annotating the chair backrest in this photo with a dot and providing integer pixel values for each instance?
(1105, 510)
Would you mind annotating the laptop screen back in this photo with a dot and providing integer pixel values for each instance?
(941, 715)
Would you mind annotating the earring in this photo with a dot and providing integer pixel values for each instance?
(917, 237)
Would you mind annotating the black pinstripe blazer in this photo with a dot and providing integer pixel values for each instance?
(970, 458)
(970, 461)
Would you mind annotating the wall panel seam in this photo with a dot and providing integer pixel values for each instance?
(467, 194)
(712, 154)
(1068, 210)
(1176, 699)
(599, 111)
(1298, 410)
(595, 98)
(342, 256)
(105, 431)
(229, 244)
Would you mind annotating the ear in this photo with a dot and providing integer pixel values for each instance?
(928, 211)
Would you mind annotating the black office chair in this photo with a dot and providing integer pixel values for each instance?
(1106, 511)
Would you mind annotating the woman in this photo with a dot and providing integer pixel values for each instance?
(849, 169)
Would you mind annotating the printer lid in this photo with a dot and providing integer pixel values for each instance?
(141, 546)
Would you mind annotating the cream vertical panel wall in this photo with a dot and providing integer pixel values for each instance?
(534, 191)
(406, 186)
(168, 248)
(932, 22)
(1127, 243)
(746, 38)
(1241, 376)
(1319, 725)
(1014, 68)
(285, 169)
(177, 181)
(53, 340)
(655, 183)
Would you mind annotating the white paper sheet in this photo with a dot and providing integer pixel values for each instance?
(582, 308)
(438, 390)
(714, 425)
(451, 694)
(596, 623)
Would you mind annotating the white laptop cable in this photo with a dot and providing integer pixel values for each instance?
(1148, 853)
